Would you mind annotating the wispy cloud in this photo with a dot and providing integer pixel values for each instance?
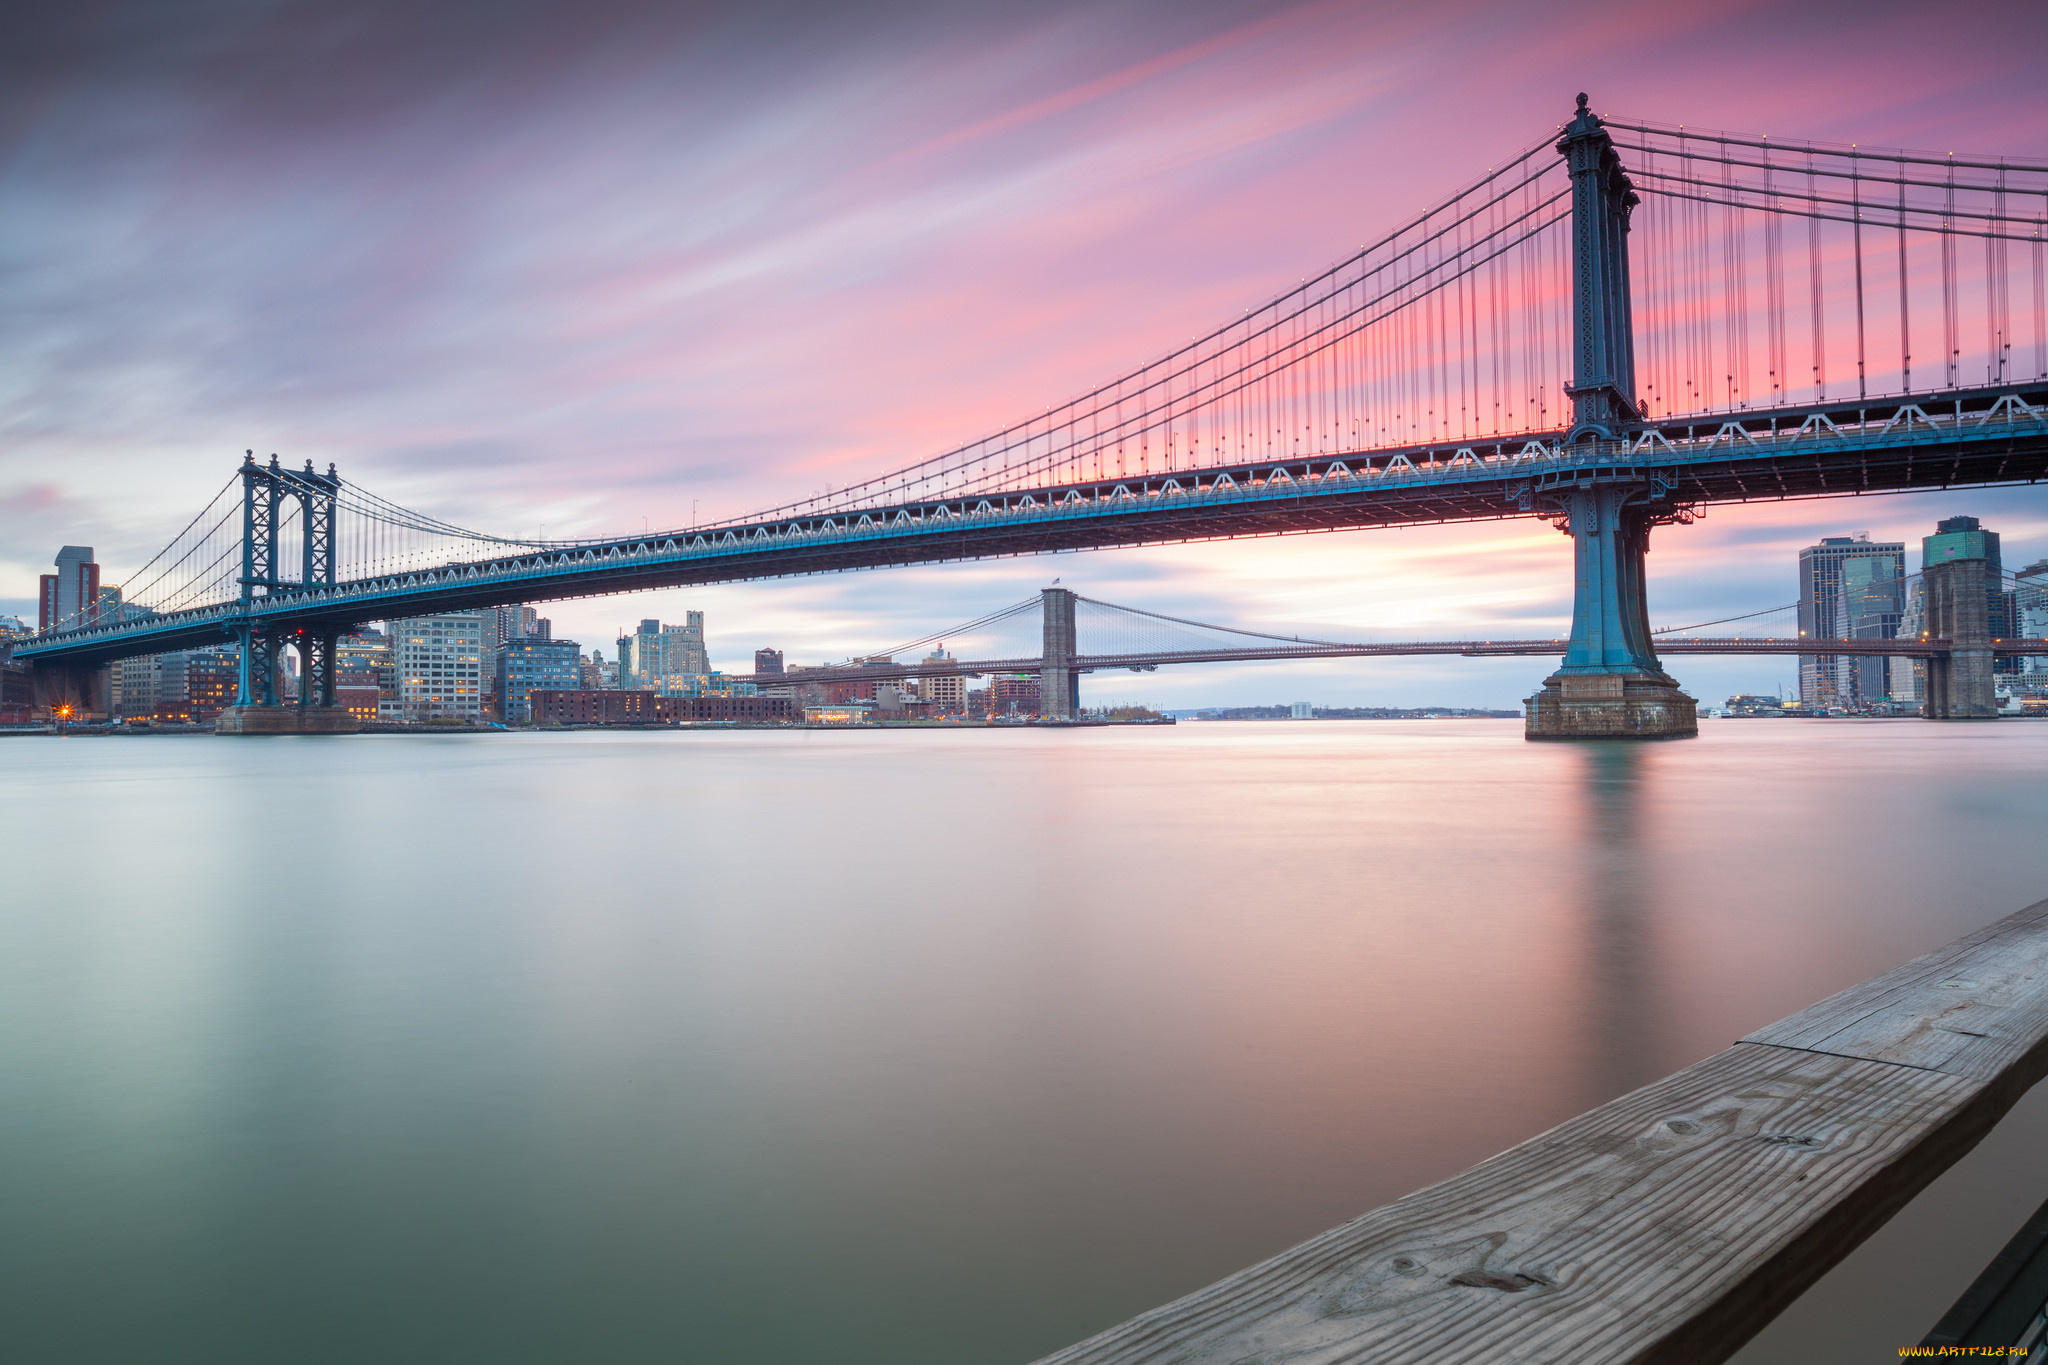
(580, 265)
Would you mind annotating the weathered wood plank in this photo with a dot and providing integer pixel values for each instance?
(1973, 1008)
(1669, 1225)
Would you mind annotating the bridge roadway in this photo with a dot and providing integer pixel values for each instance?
(1967, 437)
(1140, 662)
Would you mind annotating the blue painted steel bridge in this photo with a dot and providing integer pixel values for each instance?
(1616, 327)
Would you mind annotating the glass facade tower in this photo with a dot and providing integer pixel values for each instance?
(1850, 588)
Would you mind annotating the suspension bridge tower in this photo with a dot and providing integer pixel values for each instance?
(258, 709)
(1610, 685)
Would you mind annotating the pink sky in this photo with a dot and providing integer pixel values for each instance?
(576, 266)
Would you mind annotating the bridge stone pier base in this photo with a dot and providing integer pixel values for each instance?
(1960, 686)
(1611, 706)
(285, 720)
(1059, 686)
(257, 710)
(1610, 685)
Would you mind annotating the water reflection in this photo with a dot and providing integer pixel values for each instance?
(916, 1048)
(1617, 889)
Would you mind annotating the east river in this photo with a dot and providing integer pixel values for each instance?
(904, 1047)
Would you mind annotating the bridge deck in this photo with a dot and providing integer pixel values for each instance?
(1472, 649)
(1671, 1224)
(1975, 437)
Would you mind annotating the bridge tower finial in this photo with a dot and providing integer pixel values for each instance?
(1603, 383)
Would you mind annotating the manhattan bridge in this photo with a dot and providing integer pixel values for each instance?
(1614, 327)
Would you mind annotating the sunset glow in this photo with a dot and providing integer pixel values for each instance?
(576, 269)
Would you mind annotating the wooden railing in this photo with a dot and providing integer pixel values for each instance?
(1669, 1225)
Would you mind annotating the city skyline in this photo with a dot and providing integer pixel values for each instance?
(1765, 558)
(704, 263)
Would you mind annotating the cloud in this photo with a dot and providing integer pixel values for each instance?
(584, 265)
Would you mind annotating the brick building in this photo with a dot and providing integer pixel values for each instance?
(552, 707)
(1012, 694)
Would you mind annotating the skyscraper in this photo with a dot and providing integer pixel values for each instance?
(686, 651)
(640, 658)
(68, 598)
(1873, 600)
(1849, 588)
(1909, 675)
(666, 659)
(2030, 605)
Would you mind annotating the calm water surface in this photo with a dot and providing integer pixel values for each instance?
(903, 1047)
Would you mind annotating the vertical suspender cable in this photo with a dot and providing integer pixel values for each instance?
(1774, 283)
(1856, 231)
(2001, 298)
(1734, 317)
(1905, 306)
(1951, 354)
(2040, 305)
(1493, 328)
(1814, 270)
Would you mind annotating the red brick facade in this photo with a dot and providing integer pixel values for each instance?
(651, 708)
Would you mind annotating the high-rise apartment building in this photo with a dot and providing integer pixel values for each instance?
(438, 663)
(534, 665)
(685, 648)
(767, 661)
(666, 659)
(187, 687)
(68, 598)
(640, 657)
(1849, 588)
(501, 624)
(132, 685)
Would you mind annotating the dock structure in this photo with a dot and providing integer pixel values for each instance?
(1669, 1225)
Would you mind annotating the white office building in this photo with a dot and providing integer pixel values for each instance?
(438, 665)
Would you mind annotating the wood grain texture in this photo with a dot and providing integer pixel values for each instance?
(1974, 1008)
(1669, 1225)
